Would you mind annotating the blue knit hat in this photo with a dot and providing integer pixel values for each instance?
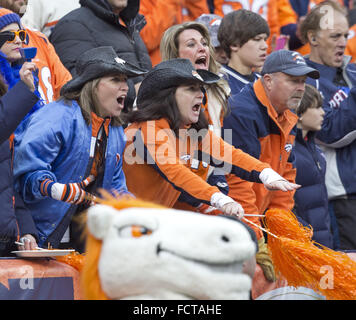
(7, 17)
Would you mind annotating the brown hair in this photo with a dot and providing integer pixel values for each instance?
(163, 105)
(233, 31)
(169, 49)
(311, 99)
(88, 102)
(313, 18)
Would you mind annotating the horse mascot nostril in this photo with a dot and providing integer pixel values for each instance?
(138, 250)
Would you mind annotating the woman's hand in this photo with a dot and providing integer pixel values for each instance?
(282, 185)
(29, 243)
(233, 209)
(26, 75)
(227, 205)
(273, 181)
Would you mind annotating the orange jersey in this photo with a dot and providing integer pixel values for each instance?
(52, 74)
(277, 13)
(351, 44)
(271, 144)
(160, 15)
(172, 164)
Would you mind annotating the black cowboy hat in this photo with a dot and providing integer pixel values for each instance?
(173, 73)
(99, 62)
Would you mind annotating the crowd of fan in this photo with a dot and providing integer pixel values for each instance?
(278, 86)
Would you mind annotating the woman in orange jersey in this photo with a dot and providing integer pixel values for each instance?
(169, 142)
(191, 40)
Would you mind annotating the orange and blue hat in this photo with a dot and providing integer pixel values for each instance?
(7, 17)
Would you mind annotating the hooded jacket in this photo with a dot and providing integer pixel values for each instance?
(94, 24)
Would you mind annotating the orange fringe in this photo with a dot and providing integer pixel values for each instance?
(74, 259)
(90, 280)
(303, 262)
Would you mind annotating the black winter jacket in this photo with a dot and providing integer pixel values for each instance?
(15, 219)
(95, 25)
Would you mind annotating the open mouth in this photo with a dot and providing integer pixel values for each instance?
(121, 100)
(196, 107)
(339, 54)
(201, 62)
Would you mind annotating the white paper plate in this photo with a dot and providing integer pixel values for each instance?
(42, 253)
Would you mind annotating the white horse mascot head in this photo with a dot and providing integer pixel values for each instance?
(138, 250)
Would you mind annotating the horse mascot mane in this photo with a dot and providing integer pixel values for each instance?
(139, 250)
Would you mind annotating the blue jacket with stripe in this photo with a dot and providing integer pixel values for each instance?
(57, 145)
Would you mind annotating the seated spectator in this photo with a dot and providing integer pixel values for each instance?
(43, 15)
(311, 200)
(336, 83)
(11, 60)
(169, 141)
(16, 223)
(73, 147)
(103, 23)
(246, 48)
(52, 75)
(212, 22)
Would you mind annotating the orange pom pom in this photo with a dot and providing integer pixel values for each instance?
(303, 262)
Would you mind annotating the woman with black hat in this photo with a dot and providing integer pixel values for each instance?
(74, 146)
(169, 142)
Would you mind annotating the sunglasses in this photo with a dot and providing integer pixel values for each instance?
(10, 36)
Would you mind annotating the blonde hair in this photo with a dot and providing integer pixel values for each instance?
(169, 49)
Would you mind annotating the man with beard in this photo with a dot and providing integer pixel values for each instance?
(263, 124)
(326, 30)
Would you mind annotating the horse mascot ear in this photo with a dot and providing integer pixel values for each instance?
(139, 250)
(100, 219)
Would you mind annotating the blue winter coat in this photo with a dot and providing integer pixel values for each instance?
(14, 221)
(311, 200)
(338, 132)
(56, 145)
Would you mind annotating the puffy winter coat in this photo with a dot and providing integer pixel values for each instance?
(311, 200)
(94, 25)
